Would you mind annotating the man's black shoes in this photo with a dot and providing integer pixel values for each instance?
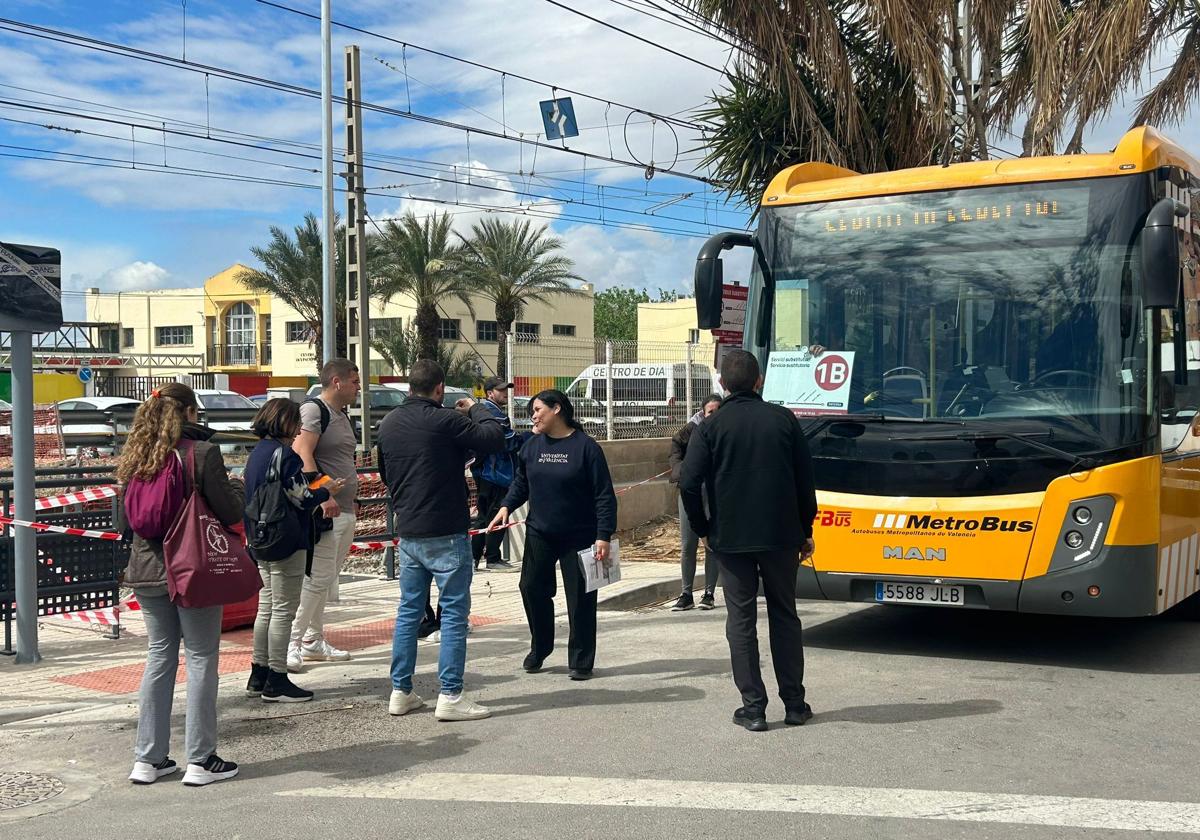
(684, 602)
(531, 664)
(579, 675)
(751, 719)
(798, 716)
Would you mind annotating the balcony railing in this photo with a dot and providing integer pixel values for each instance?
(239, 355)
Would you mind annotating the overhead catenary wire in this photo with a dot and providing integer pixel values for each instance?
(469, 62)
(85, 42)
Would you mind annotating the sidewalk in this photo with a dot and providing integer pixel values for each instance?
(81, 670)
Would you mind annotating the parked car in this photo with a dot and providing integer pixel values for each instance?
(122, 420)
(453, 393)
(216, 400)
(259, 399)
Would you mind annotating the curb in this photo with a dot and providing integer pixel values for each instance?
(644, 594)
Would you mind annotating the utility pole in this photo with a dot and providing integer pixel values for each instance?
(328, 281)
(358, 298)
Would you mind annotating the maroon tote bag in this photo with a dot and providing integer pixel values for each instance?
(207, 565)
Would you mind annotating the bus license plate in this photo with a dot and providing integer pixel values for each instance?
(918, 593)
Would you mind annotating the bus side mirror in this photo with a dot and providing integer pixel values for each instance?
(710, 276)
(1160, 254)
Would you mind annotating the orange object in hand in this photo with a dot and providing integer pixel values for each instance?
(319, 481)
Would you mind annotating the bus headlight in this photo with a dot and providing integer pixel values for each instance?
(1073, 539)
(1082, 515)
(1081, 531)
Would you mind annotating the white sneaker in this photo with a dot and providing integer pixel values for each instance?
(459, 708)
(295, 661)
(320, 650)
(145, 773)
(401, 703)
(212, 770)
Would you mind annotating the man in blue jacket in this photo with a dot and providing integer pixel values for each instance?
(493, 475)
(422, 449)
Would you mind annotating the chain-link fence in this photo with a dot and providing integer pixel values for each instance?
(620, 389)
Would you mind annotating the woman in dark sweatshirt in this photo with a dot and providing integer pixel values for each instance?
(564, 476)
(278, 423)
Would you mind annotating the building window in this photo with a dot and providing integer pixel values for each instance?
(448, 329)
(240, 335)
(486, 331)
(172, 336)
(528, 333)
(110, 340)
(564, 329)
(297, 332)
(127, 337)
(386, 326)
(693, 336)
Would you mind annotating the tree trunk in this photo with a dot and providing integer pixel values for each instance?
(427, 331)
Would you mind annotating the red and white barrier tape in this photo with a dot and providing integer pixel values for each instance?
(640, 483)
(61, 529)
(378, 545)
(90, 494)
(106, 616)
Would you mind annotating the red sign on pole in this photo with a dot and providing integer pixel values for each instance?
(733, 314)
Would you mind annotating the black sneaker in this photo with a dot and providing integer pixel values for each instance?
(281, 689)
(258, 680)
(579, 675)
(684, 602)
(707, 602)
(798, 716)
(751, 719)
(212, 770)
(532, 664)
(145, 773)
(499, 565)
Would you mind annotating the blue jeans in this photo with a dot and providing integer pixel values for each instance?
(446, 560)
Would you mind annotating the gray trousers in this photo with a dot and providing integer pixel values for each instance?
(278, 601)
(200, 630)
(689, 544)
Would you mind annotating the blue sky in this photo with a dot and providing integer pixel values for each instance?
(122, 229)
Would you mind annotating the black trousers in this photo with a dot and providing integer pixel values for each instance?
(740, 574)
(537, 593)
(489, 497)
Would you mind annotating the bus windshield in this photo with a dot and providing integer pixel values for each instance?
(988, 305)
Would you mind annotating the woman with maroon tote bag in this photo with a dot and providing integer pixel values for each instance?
(165, 428)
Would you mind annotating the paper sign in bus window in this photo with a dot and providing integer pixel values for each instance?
(807, 384)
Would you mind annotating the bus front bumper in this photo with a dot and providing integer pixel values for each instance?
(1126, 577)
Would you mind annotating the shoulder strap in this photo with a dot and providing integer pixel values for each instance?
(325, 416)
(189, 463)
(274, 468)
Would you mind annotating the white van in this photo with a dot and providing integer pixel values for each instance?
(646, 392)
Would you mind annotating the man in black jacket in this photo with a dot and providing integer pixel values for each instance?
(752, 460)
(423, 448)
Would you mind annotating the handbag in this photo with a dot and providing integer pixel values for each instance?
(207, 565)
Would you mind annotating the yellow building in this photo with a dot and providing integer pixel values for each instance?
(223, 327)
(662, 328)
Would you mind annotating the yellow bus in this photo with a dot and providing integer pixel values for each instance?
(997, 365)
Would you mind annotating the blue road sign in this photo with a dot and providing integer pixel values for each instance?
(85, 374)
(558, 116)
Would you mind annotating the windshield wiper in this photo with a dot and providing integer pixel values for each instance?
(874, 417)
(1027, 439)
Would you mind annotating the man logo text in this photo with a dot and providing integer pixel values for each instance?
(899, 552)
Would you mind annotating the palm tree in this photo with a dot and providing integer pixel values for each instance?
(513, 266)
(420, 261)
(292, 272)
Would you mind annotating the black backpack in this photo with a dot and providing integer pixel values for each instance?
(271, 534)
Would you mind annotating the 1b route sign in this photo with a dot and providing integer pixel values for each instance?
(810, 385)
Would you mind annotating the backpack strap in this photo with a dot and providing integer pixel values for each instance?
(273, 469)
(188, 463)
(325, 415)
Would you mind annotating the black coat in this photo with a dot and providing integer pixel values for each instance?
(423, 449)
(752, 460)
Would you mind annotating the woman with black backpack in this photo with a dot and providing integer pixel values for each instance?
(280, 534)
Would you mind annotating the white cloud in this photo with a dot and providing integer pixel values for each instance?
(135, 276)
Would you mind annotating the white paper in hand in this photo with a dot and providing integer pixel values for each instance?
(598, 574)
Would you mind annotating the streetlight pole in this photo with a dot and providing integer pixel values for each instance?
(328, 293)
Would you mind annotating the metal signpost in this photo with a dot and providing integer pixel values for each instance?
(30, 301)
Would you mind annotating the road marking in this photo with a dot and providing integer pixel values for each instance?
(891, 803)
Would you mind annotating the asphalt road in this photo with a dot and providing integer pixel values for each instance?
(928, 723)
